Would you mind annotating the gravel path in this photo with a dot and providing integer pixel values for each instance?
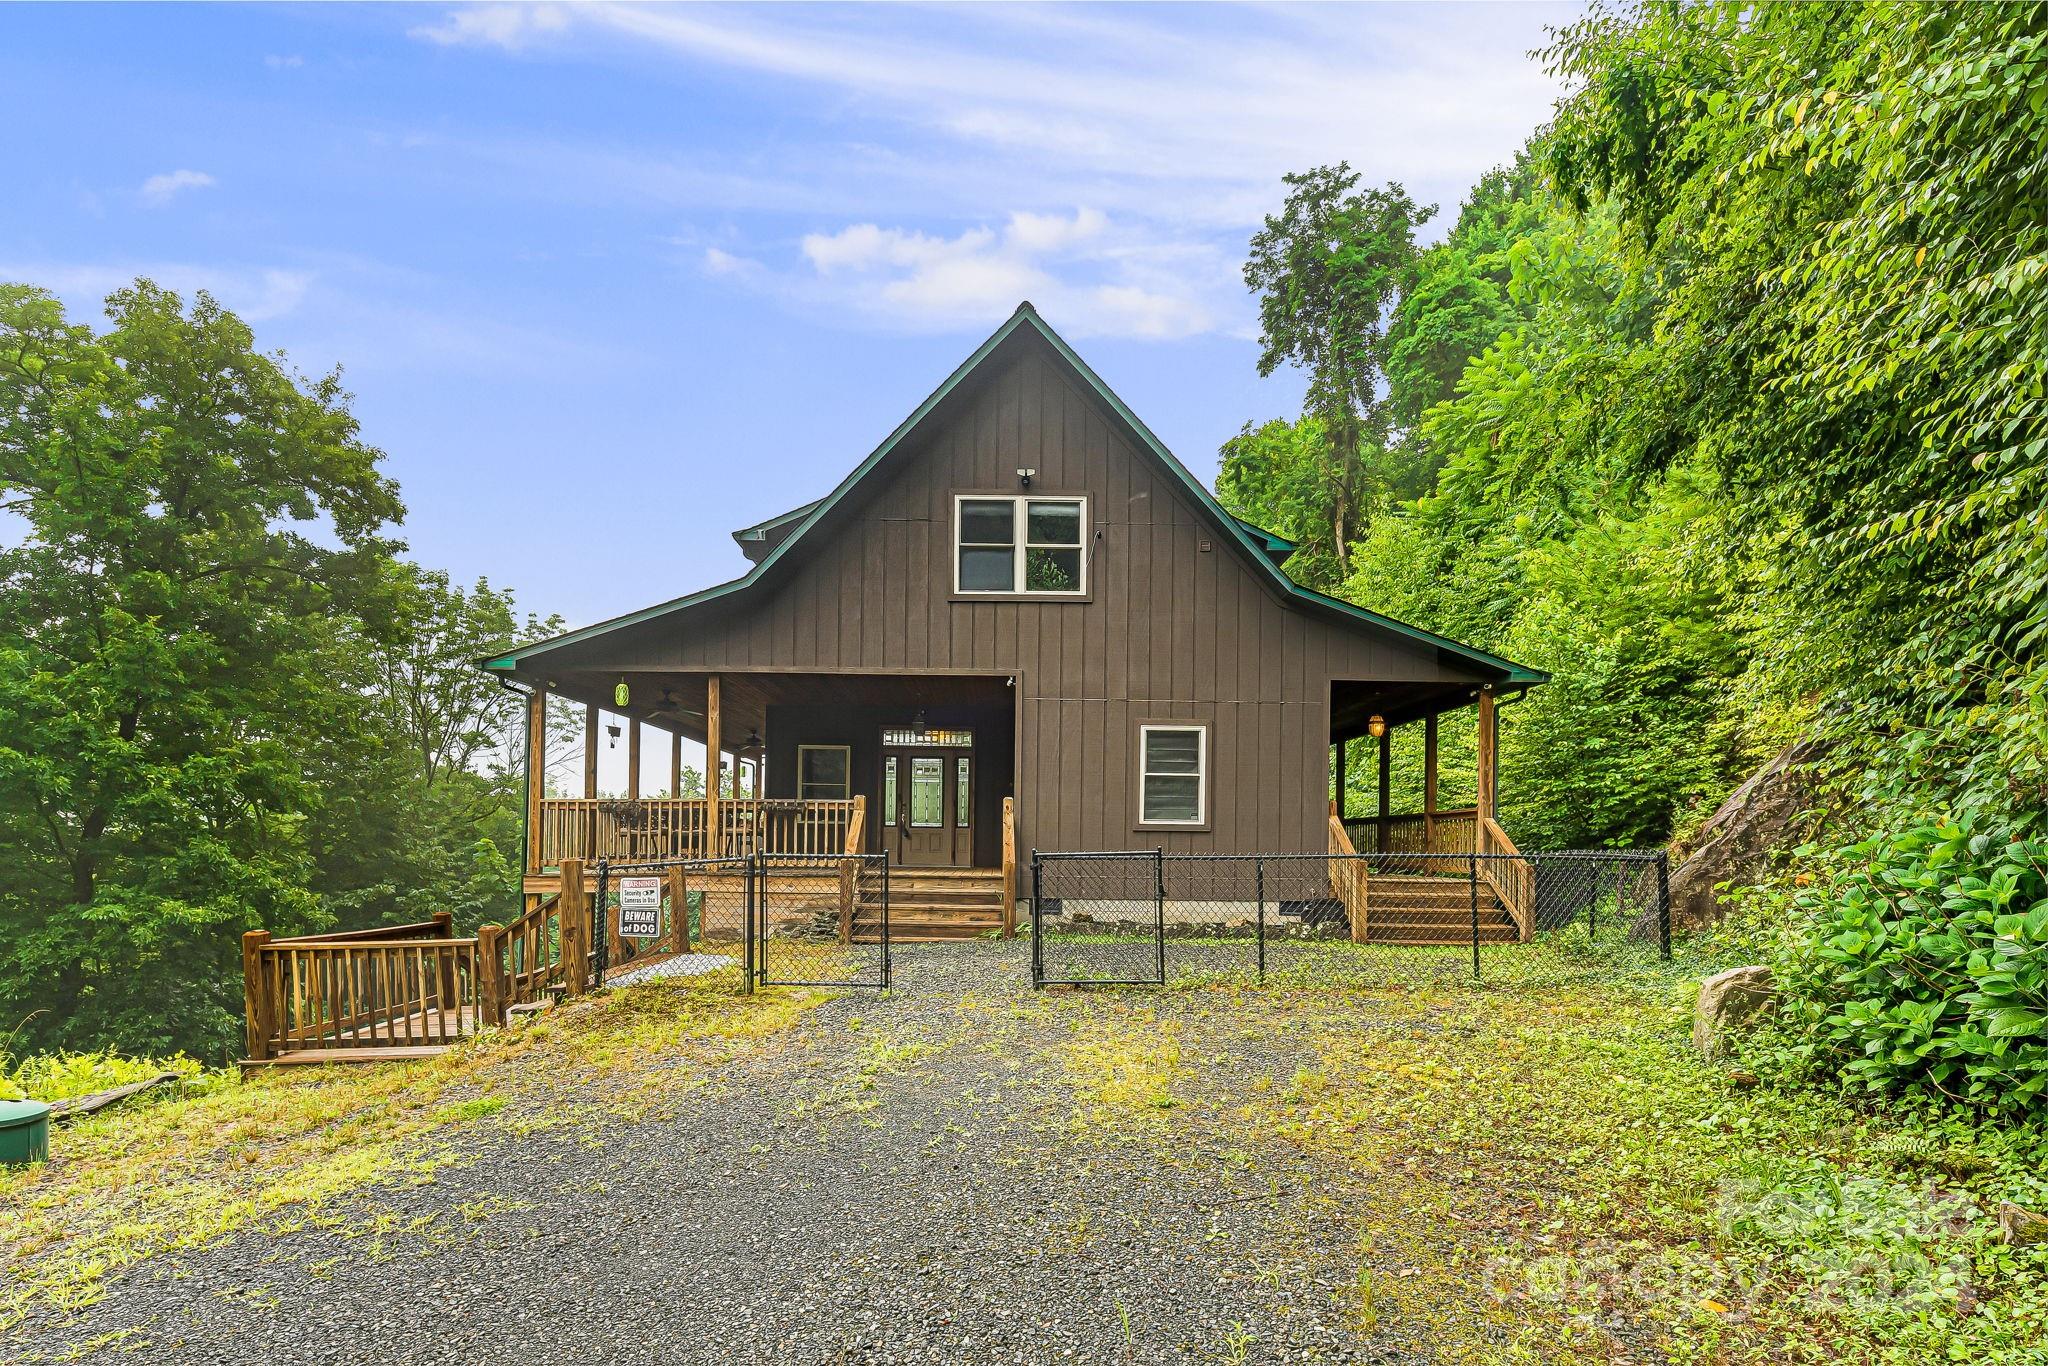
(899, 1180)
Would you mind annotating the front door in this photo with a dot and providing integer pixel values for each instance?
(928, 805)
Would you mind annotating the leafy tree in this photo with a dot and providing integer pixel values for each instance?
(1328, 270)
(202, 538)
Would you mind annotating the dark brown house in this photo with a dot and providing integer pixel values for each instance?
(1019, 622)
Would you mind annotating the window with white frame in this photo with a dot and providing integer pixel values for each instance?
(1173, 770)
(1019, 544)
(824, 773)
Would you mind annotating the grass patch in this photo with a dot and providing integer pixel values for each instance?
(1552, 1176)
(183, 1171)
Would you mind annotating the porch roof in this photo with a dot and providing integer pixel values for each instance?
(1259, 548)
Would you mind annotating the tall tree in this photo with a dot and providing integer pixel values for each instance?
(1328, 270)
(202, 538)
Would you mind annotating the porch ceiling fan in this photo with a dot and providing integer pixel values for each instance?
(668, 705)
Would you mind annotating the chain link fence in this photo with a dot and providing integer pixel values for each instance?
(762, 920)
(1378, 920)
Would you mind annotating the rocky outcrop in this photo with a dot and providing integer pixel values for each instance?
(1737, 842)
(1728, 1001)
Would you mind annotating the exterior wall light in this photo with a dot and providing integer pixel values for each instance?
(1376, 726)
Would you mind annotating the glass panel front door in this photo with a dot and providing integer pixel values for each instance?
(927, 805)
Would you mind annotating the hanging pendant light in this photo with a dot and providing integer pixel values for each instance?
(622, 695)
(1376, 726)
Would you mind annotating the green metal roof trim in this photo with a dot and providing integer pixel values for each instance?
(1243, 531)
(759, 530)
(1276, 546)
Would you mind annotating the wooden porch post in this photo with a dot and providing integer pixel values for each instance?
(574, 914)
(536, 772)
(757, 777)
(1429, 784)
(714, 845)
(258, 1006)
(589, 750)
(1343, 748)
(1488, 738)
(1386, 787)
(633, 759)
(675, 763)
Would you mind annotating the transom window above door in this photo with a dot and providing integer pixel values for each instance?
(1020, 545)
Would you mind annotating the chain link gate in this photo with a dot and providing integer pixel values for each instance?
(764, 919)
(1141, 918)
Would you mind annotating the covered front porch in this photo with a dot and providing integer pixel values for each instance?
(919, 767)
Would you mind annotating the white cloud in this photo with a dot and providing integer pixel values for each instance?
(283, 61)
(511, 27)
(1173, 125)
(718, 261)
(1084, 272)
(162, 189)
(257, 293)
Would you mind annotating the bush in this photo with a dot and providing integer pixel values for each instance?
(1921, 964)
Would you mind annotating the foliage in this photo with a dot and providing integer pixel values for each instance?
(1328, 269)
(1920, 963)
(225, 703)
(67, 1076)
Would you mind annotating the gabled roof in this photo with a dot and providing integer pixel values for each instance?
(1262, 548)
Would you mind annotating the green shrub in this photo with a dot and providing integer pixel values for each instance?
(1920, 964)
(66, 1076)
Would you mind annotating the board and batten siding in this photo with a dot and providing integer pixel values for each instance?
(1170, 631)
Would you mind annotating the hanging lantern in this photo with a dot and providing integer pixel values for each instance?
(613, 730)
(1376, 726)
(622, 694)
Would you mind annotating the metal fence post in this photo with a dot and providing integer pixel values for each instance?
(1472, 887)
(747, 920)
(1159, 909)
(600, 920)
(1259, 925)
(1037, 928)
(1663, 905)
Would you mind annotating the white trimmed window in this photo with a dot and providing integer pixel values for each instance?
(1173, 771)
(1021, 544)
(824, 773)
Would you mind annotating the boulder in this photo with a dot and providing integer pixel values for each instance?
(1735, 845)
(2020, 1226)
(1728, 1000)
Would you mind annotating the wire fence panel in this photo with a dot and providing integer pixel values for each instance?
(1392, 920)
(821, 921)
(713, 943)
(1097, 918)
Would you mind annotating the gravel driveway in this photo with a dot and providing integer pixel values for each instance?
(908, 1179)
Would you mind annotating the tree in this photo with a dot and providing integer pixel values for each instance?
(1328, 271)
(202, 546)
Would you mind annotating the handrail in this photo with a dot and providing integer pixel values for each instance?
(650, 828)
(856, 839)
(1515, 885)
(1009, 867)
(436, 928)
(361, 993)
(1350, 879)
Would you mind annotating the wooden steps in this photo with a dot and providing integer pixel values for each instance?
(931, 904)
(1421, 910)
(328, 1057)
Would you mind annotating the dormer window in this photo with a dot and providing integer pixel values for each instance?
(1019, 545)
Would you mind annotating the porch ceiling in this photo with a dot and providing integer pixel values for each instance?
(676, 701)
(1353, 704)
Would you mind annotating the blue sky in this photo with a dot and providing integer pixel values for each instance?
(611, 281)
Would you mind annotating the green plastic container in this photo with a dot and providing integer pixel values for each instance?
(24, 1132)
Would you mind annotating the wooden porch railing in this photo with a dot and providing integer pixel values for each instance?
(400, 986)
(1513, 879)
(1350, 878)
(1452, 830)
(649, 828)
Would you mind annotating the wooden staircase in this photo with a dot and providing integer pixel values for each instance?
(1404, 909)
(931, 904)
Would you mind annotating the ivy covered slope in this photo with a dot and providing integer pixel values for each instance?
(1726, 404)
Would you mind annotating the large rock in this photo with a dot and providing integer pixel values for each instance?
(2021, 1226)
(1729, 1000)
(1736, 844)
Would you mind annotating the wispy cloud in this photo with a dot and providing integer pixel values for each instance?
(258, 293)
(1174, 125)
(284, 61)
(162, 189)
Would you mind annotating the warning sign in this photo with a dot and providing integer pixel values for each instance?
(639, 907)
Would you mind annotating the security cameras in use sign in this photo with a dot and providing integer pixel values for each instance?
(639, 907)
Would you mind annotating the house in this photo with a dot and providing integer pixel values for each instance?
(1019, 622)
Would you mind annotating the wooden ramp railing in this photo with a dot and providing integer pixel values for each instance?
(402, 987)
